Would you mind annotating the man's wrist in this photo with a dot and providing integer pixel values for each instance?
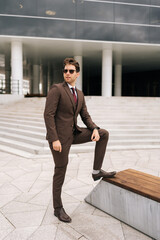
(95, 128)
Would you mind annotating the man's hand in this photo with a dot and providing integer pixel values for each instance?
(95, 135)
(57, 146)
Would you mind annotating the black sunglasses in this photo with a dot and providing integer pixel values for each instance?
(71, 71)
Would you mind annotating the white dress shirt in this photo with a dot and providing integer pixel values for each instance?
(70, 86)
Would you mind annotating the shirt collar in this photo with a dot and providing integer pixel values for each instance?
(70, 86)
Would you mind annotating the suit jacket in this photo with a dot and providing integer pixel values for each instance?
(61, 113)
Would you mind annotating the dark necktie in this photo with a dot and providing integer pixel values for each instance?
(74, 95)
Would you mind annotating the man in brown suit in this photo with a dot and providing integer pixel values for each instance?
(63, 104)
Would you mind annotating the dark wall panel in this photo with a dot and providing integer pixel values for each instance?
(131, 33)
(36, 27)
(103, 21)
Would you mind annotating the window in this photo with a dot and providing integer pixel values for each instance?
(126, 33)
(155, 16)
(131, 14)
(98, 11)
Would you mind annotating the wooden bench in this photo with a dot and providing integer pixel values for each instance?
(132, 197)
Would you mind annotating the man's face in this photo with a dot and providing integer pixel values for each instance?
(70, 77)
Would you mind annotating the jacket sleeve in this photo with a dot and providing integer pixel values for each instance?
(86, 118)
(49, 113)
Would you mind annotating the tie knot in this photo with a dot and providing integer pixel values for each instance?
(73, 90)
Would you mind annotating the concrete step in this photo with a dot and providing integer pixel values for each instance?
(133, 123)
(22, 126)
(99, 119)
(21, 117)
(87, 148)
(129, 122)
(126, 142)
(37, 146)
(24, 113)
(133, 131)
(24, 132)
(41, 142)
(130, 127)
(25, 139)
(12, 150)
(40, 153)
(22, 122)
(133, 136)
(29, 148)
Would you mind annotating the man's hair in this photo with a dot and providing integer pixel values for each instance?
(73, 62)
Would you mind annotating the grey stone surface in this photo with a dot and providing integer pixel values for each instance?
(133, 209)
(26, 210)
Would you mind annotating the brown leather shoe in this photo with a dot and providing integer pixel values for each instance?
(62, 215)
(103, 174)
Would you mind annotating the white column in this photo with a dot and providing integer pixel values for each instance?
(107, 73)
(8, 68)
(118, 80)
(79, 82)
(36, 79)
(17, 67)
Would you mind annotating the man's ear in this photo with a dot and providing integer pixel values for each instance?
(78, 73)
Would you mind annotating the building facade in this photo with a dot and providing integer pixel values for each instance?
(116, 42)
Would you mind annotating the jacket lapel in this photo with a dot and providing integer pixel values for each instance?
(68, 91)
(79, 99)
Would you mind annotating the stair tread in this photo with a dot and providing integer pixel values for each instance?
(27, 145)
(3, 134)
(20, 125)
(22, 130)
(15, 151)
(133, 123)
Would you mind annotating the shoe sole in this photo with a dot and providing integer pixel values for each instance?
(97, 178)
(63, 220)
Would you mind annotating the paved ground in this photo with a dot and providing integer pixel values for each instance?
(26, 203)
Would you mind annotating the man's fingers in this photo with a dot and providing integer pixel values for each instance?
(57, 146)
(60, 148)
(92, 137)
(95, 137)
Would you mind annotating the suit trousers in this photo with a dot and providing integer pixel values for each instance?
(61, 159)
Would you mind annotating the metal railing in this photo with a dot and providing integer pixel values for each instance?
(7, 87)
(3, 86)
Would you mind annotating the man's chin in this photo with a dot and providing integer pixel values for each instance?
(67, 80)
(70, 82)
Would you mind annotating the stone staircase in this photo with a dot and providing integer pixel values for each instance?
(133, 123)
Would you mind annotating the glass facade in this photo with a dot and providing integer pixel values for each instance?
(121, 20)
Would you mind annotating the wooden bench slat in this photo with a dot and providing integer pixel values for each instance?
(135, 181)
(142, 181)
(138, 189)
(126, 176)
(146, 176)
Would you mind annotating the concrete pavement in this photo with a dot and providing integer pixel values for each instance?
(26, 211)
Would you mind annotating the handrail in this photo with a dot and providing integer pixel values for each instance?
(9, 87)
